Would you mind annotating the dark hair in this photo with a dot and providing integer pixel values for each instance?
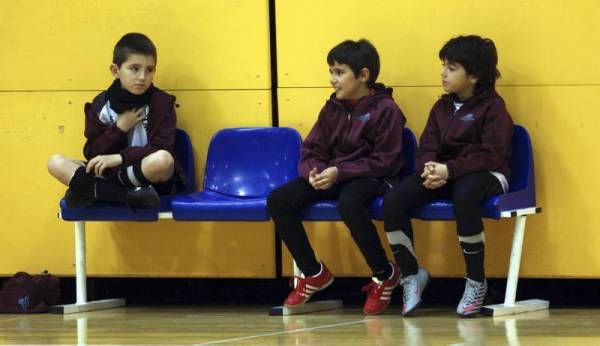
(133, 43)
(358, 55)
(477, 55)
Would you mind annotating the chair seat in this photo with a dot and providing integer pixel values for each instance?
(326, 210)
(212, 206)
(105, 211)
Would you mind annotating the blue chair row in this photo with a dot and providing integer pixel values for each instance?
(244, 164)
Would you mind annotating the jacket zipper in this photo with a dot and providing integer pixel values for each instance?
(449, 124)
(349, 115)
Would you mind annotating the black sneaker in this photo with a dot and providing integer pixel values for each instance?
(78, 200)
(143, 198)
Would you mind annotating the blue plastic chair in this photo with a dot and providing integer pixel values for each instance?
(521, 193)
(518, 202)
(113, 212)
(243, 166)
(326, 210)
(104, 211)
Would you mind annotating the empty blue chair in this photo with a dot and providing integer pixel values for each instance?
(518, 202)
(243, 165)
(326, 210)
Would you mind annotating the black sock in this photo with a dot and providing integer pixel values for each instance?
(132, 176)
(313, 270)
(474, 256)
(405, 259)
(384, 274)
(82, 183)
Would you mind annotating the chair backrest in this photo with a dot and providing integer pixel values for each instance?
(185, 156)
(521, 163)
(250, 162)
(409, 150)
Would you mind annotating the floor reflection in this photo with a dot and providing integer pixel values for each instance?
(253, 326)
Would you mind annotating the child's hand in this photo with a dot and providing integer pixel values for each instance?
(428, 169)
(312, 177)
(433, 182)
(435, 175)
(101, 162)
(326, 179)
(129, 118)
(435, 168)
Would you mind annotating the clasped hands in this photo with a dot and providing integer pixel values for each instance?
(435, 175)
(323, 180)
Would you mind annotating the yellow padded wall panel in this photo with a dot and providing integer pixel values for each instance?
(563, 125)
(34, 125)
(67, 45)
(540, 42)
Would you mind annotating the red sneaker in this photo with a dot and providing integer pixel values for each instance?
(307, 286)
(379, 293)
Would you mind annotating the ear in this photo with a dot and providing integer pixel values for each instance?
(364, 75)
(473, 79)
(114, 70)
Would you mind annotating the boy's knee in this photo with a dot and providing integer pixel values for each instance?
(274, 199)
(391, 205)
(55, 162)
(159, 165)
(162, 160)
(463, 199)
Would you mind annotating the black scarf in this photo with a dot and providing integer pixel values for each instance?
(122, 100)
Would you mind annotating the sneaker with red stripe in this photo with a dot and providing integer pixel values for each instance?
(472, 299)
(307, 286)
(379, 293)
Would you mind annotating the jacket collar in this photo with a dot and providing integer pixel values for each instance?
(366, 102)
(449, 99)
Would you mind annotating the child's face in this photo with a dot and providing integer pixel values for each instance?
(456, 80)
(347, 86)
(136, 73)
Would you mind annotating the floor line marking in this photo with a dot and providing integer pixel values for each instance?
(285, 332)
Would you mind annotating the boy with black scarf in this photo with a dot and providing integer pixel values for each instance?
(130, 132)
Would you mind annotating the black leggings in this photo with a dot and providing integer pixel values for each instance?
(354, 198)
(466, 193)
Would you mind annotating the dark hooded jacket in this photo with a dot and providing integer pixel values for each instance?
(475, 138)
(363, 142)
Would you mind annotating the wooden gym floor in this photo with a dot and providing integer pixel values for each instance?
(244, 325)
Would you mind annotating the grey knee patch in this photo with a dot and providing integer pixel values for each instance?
(472, 239)
(472, 245)
(400, 238)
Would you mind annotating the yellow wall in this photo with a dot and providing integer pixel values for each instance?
(549, 58)
(214, 56)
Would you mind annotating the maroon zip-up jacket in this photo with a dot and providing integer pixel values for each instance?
(475, 138)
(366, 142)
(104, 139)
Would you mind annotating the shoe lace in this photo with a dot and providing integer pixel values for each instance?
(373, 289)
(472, 292)
(301, 283)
